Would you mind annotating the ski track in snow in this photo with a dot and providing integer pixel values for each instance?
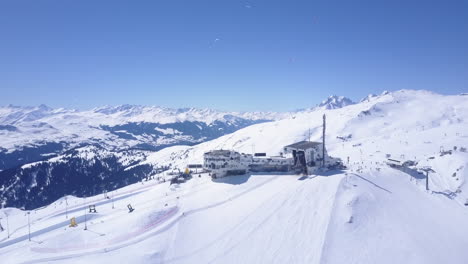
(126, 236)
(282, 203)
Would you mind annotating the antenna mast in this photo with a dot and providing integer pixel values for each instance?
(323, 141)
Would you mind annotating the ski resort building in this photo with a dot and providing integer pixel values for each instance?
(225, 162)
(307, 156)
(222, 163)
(302, 157)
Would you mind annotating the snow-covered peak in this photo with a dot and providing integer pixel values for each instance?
(335, 102)
(138, 113)
(368, 98)
(11, 114)
(400, 95)
(125, 108)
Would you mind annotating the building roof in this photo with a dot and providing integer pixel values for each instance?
(220, 152)
(304, 145)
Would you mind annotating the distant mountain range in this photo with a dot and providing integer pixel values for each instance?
(29, 134)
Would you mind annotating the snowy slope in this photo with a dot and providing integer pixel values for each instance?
(370, 213)
(382, 217)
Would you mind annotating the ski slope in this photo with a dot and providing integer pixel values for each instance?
(189, 222)
(368, 213)
(380, 218)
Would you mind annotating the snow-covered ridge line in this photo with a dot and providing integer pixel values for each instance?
(124, 126)
(11, 115)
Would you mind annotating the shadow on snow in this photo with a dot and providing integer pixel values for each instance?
(240, 179)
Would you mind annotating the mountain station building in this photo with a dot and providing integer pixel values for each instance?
(302, 157)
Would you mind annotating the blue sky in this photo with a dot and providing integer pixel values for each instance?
(229, 55)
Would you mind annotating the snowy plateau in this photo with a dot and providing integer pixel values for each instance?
(369, 212)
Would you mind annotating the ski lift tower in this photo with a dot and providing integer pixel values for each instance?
(427, 169)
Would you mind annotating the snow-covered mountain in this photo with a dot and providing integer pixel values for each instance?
(84, 171)
(368, 98)
(29, 134)
(334, 102)
(111, 115)
(368, 213)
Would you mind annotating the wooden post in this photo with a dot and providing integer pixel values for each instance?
(427, 180)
